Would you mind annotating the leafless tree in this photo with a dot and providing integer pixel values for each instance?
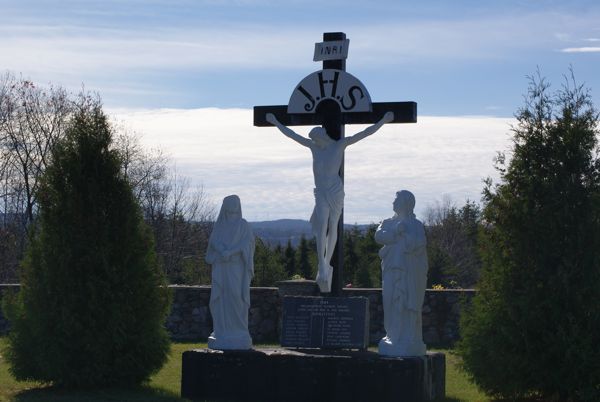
(3, 90)
(184, 231)
(146, 171)
(32, 120)
(452, 243)
(179, 214)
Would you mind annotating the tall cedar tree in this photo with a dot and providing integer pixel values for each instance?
(268, 266)
(304, 267)
(93, 300)
(534, 327)
(289, 258)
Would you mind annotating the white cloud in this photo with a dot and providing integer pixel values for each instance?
(222, 150)
(588, 49)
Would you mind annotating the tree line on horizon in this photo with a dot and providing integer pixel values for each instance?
(452, 248)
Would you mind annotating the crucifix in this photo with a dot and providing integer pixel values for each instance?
(331, 98)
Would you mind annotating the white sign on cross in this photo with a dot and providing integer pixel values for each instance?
(331, 50)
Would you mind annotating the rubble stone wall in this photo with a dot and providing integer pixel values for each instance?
(190, 318)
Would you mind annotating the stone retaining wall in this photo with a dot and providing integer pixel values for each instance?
(190, 318)
(441, 314)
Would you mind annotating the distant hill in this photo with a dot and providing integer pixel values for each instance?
(280, 231)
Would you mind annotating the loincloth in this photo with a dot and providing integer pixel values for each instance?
(332, 197)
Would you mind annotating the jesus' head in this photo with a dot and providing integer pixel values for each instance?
(320, 137)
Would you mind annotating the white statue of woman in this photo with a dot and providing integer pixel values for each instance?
(231, 254)
(404, 273)
(328, 155)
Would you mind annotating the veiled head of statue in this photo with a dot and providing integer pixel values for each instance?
(231, 208)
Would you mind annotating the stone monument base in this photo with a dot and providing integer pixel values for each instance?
(311, 375)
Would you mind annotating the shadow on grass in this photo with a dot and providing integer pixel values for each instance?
(141, 394)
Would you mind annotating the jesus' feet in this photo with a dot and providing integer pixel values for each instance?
(324, 276)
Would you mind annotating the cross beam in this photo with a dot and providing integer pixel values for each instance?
(404, 112)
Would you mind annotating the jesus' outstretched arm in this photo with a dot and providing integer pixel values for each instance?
(389, 116)
(270, 117)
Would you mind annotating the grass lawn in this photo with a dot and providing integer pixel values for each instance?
(458, 386)
(164, 386)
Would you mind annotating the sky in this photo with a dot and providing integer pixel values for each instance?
(185, 75)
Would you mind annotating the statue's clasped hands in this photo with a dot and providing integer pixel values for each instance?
(400, 228)
(224, 251)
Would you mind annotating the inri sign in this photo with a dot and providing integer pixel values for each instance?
(331, 50)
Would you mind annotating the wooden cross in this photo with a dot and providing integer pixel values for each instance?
(328, 113)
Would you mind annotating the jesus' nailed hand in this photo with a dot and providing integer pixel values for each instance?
(328, 155)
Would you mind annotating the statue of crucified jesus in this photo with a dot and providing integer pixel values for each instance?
(327, 155)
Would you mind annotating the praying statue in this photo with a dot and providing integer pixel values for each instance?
(327, 156)
(231, 254)
(404, 276)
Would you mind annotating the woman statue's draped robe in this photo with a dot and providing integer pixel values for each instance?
(231, 254)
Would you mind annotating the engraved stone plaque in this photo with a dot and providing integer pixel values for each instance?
(325, 322)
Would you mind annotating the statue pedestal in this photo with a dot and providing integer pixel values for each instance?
(311, 375)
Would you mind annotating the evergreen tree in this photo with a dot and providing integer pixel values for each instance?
(268, 268)
(452, 245)
(289, 259)
(93, 300)
(440, 264)
(304, 266)
(534, 327)
(312, 257)
(363, 277)
(368, 273)
(350, 255)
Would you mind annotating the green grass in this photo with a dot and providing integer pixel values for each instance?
(164, 386)
(458, 386)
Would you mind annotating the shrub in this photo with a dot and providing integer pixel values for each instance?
(534, 327)
(92, 302)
